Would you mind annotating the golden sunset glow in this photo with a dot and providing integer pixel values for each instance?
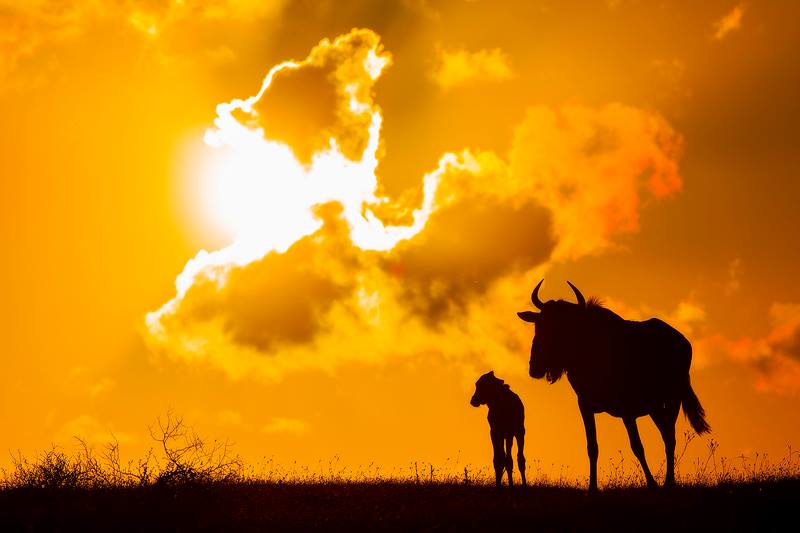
(308, 226)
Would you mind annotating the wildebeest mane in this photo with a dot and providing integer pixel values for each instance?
(594, 301)
(596, 309)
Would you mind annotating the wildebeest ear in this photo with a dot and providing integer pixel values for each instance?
(528, 316)
(491, 373)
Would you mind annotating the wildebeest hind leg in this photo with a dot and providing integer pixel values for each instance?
(521, 457)
(638, 449)
(665, 422)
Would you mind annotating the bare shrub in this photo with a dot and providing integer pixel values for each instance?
(56, 469)
(182, 457)
(187, 458)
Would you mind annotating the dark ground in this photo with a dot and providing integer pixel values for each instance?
(773, 506)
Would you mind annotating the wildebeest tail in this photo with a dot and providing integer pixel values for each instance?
(693, 410)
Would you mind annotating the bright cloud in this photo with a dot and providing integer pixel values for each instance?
(729, 23)
(459, 67)
(317, 278)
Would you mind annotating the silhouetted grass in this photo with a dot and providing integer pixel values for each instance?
(398, 506)
(185, 483)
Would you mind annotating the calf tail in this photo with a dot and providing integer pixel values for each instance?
(693, 410)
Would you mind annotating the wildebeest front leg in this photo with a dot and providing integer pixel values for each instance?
(591, 444)
(499, 459)
(521, 457)
(638, 449)
(509, 461)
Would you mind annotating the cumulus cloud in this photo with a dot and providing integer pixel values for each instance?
(734, 276)
(777, 354)
(276, 299)
(670, 78)
(460, 67)
(485, 226)
(326, 272)
(291, 426)
(82, 378)
(322, 99)
(229, 417)
(785, 336)
(91, 430)
(28, 25)
(687, 317)
(593, 168)
(106, 384)
(773, 358)
(729, 23)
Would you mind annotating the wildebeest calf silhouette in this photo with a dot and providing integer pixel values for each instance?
(625, 368)
(506, 422)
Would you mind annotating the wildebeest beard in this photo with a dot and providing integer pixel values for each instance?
(554, 366)
(554, 373)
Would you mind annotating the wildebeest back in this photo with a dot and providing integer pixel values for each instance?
(630, 365)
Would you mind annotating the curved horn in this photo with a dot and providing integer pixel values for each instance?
(535, 296)
(578, 295)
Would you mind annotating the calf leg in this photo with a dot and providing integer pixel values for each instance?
(521, 457)
(509, 461)
(591, 444)
(499, 459)
(638, 449)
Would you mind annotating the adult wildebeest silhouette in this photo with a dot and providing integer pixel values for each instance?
(506, 422)
(625, 368)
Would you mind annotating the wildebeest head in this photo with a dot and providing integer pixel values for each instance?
(557, 335)
(486, 388)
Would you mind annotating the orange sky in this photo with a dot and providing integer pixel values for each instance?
(354, 291)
